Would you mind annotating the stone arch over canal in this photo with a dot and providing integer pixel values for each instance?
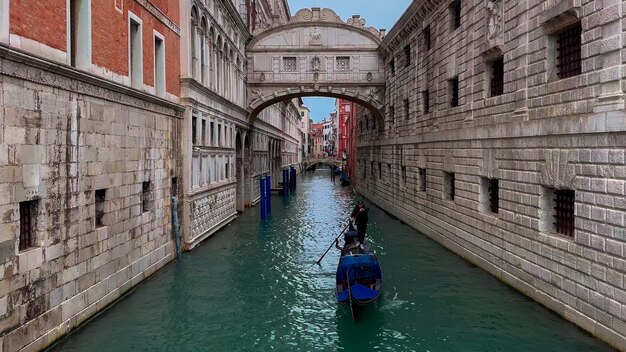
(316, 53)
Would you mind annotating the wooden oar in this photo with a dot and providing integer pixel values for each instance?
(331, 245)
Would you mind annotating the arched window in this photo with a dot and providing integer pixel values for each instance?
(203, 51)
(193, 41)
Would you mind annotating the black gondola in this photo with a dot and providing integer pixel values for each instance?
(359, 278)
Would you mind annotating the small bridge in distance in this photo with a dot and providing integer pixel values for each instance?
(310, 162)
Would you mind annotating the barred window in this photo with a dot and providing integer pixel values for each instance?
(100, 198)
(448, 186)
(455, 14)
(407, 108)
(28, 212)
(146, 198)
(392, 113)
(422, 179)
(427, 38)
(343, 63)
(497, 77)
(564, 214)
(392, 67)
(407, 56)
(568, 52)
(426, 101)
(290, 64)
(453, 89)
(494, 196)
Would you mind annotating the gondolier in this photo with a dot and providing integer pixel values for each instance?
(360, 219)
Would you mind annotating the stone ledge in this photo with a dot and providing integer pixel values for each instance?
(560, 15)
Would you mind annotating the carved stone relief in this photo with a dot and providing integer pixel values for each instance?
(494, 19)
(557, 172)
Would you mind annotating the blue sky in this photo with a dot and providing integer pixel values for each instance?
(378, 14)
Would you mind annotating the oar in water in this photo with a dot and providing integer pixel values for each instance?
(331, 245)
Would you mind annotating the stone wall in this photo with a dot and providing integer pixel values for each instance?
(542, 135)
(69, 141)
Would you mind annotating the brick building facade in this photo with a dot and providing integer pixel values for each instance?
(504, 140)
(88, 143)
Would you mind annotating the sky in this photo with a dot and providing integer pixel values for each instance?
(377, 14)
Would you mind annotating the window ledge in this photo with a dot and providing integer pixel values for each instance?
(560, 15)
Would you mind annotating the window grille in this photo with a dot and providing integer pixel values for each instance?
(343, 63)
(27, 224)
(289, 64)
(494, 196)
(426, 101)
(454, 92)
(403, 172)
(145, 197)
(407, 107)
(392, 113)
(497, 77)
(407, 56)
(564, 212)
(427, 39)
(422, 175)
(392, 66)
(448, 185)
(100, 197)
(380, 170)
(455, 11)
(568, 52)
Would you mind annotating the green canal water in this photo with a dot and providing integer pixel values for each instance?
(255, 287)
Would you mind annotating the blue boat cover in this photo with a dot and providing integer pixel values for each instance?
(363, 293)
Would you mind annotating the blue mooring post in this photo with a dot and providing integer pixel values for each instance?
(284, 182)
(293, 178)
(268, 194)
(262, 200)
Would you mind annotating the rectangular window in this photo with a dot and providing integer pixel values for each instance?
(203, 132)
(80, 33)
(227, 168)
(100, 198)
(290, 64)
(219, 135)
(497, 77)
(343, 63)
(489, 195)
(380, 171)
(372, 168)
(146, 199)
(448, 186)
(194, 131)
(407, 56)
(455, 14)
(28, 212)
(159, 66)
(426, 101)
(427, 38)
(174, 189)
(392, 114)
(211, 130)
(564, 213)
(389, 176)
(136, 52)
(403, 175)
(422, 179)
(568, 52)
(406, 109)
(392, 67)
(453, 91)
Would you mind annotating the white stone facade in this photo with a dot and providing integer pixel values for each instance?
(431, 166)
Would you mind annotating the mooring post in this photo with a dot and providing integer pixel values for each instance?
(284, 182)
(262, 199)
(293, 178)
(268, 194)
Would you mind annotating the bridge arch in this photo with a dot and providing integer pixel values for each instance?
(316, 53)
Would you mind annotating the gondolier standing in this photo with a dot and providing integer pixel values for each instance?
(360, 218)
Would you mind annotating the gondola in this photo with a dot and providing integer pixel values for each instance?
(359, 278)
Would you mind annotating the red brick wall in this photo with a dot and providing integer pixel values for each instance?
(43, 21)
(110, 42)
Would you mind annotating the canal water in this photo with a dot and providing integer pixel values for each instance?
(255, 287)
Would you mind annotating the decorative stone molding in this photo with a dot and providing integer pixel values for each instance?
(412, 18)
(160, 16)
(559, 14)
(557, 172)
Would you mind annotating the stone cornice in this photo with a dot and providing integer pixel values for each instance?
(237, 19)
(156, 12)
(409, 21)
(95, 86)
(197, 86)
